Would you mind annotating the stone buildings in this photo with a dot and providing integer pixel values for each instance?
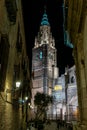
(71, 94)
(76, 25)
(13, 67)
(45, 73)
(65, 96)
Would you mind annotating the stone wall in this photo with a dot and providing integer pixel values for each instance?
(79, 40)
(10, 116)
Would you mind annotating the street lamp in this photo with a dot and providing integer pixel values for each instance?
(12, 91)
(26, 103)
(18, 83)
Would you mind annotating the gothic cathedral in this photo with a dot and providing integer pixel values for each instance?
(44, 60)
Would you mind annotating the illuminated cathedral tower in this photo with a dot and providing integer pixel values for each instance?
(44, 59)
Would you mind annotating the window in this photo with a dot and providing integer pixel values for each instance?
(72, 79)
(11, 10)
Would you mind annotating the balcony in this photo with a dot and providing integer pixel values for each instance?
(11, 10)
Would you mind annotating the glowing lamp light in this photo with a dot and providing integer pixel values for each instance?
(18, 84)
(26, 98)
(58, 87)
(31, 107)
(29, 104)
(23, 101)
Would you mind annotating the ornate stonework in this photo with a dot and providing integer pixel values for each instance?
(44, 59)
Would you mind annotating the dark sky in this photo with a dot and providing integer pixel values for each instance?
(32, 13)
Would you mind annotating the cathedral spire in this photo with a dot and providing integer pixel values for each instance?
(44, 20)
(44, 9)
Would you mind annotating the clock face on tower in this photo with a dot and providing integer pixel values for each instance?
(39, 56)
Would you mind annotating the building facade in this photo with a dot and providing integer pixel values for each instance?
(14, 71)
(65, 104)
(44, 60)
(76, 25)
(71, 94)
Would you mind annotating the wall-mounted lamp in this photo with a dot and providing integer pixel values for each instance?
(18, 83)
(26, 98)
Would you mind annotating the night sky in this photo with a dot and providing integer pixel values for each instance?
(32, 13)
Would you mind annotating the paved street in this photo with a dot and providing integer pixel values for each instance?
(53, 126)
(50, 126)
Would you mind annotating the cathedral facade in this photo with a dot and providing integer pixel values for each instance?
(46, 78)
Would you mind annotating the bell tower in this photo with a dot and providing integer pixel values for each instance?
(44, 59)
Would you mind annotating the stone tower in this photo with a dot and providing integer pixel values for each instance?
(44, 59)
